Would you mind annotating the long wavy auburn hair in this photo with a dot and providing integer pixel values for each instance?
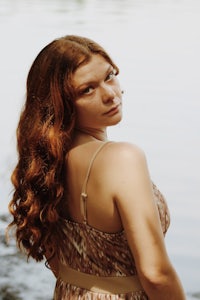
(44, 136)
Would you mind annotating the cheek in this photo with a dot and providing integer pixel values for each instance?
(89, 108)
(84, 112)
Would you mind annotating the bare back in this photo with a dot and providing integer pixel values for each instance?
(88, 171)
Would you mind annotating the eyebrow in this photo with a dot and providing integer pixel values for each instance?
(110, 67)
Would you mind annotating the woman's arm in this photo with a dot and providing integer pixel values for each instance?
(135, 201)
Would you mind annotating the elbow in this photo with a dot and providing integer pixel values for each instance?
(162, 282)
(155, 281)
(157, 278)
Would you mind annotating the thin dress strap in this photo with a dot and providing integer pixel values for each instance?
(84, 187)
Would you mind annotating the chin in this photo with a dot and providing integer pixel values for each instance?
(116, 121)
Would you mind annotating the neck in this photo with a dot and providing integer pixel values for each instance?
(90, 134)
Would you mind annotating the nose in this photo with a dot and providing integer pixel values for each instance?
(108, 93)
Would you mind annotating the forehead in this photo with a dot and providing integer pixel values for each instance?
(92, 70)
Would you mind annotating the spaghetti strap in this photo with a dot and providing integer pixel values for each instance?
(84, 195)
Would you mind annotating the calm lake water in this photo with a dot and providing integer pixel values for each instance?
(156, 44)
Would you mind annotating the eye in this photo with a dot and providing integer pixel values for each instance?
(87, 90)
(111, 75)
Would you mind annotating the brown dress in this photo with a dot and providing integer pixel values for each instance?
(88, 257)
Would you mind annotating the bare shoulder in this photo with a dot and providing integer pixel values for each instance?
(125, 169)
(124, 153)
(124, 162)
(112, 157)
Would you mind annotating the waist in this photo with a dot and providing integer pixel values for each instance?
(101, 284)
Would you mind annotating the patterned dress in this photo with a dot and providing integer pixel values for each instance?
(97, 254)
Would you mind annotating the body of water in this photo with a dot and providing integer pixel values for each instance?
(156, 44)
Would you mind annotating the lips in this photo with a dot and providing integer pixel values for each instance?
(113, 110)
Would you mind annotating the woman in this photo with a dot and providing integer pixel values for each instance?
(86, 204)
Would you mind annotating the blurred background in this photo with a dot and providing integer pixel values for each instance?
(156, 44)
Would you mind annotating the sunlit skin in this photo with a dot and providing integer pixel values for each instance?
(99, 98)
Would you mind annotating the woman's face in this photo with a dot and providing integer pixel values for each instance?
(98, 102)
